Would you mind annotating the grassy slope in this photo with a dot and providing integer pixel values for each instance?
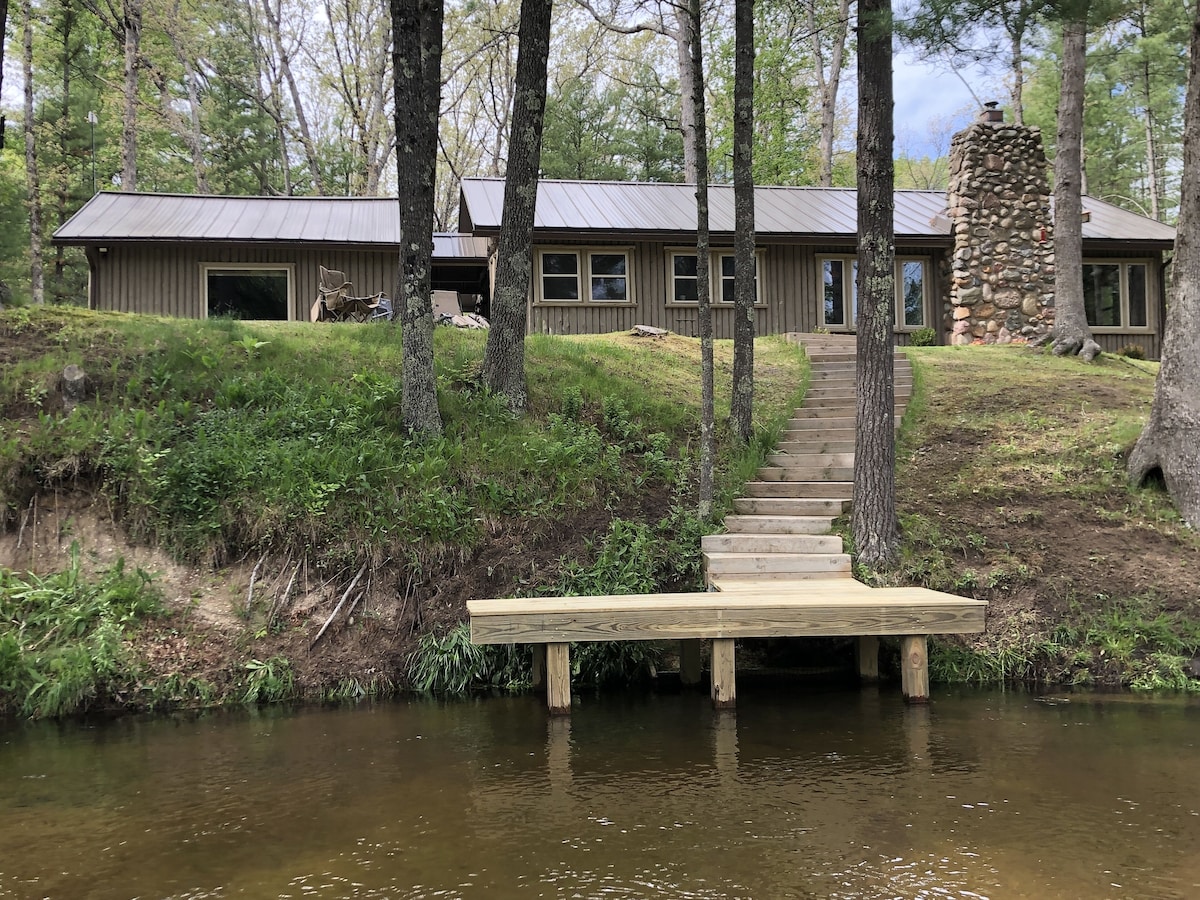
(1012, 488)
(224, 443)
(257, 449)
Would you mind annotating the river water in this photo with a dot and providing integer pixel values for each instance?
(809, 792)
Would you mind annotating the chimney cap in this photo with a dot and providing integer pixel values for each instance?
(991, 112)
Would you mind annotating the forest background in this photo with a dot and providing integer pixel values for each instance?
(289, 97)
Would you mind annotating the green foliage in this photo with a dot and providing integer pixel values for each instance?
(63, 643)
(268, 681)
(448, 663)
(923, 337)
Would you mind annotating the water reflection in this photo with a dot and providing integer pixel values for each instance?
(795, 794)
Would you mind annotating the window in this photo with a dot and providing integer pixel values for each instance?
(1114, 295)
(572, 276)
(610, 278)
(839, 282)
(560, 276)
(683, 268)
(683, 276)
(248, 291)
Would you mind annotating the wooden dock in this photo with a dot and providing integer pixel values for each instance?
(739, 609)
(776, 572)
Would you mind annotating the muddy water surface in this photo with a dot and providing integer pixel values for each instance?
(811, 793)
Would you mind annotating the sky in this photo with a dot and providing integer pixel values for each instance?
(932, 102)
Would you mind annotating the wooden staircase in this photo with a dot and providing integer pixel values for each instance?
(780, 526)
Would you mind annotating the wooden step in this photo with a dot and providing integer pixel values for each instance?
(813, 473)
(760, 544)
(812, 460)
(777, 564)
(798, 447)
(778, 524)
(789, 506)
(821, 423)
(773, 484)
(780, 474)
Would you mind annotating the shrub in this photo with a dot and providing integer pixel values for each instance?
(923, 337)
(1133, 351)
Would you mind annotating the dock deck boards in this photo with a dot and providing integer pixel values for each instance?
(797, 608)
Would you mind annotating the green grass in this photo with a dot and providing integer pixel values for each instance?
(220, 439)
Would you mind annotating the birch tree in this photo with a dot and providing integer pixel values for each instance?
(874, 506)
(1169, 443)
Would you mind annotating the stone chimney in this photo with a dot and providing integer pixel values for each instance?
(1002, 267)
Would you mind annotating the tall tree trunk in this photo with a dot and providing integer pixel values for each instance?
(504, 354)
(1071, 331)
(3, 41)
(32, 181)
(874, 508)
(828, 85)
(1152, 183)
(1168, 443)
(742, 402)
(192, 132)
(416, 70)
(63, 175)
(708, 441)
(682, 33)
(275, 27)
(131, 28)
(1016, 64)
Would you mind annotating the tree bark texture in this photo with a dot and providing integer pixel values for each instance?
(874, 507)
(1170, 442)
(684, 39)
(32, 180)
(742, 401)
(131, 28)
(3, 42)
(504, 355)
(1071, 333)
(704, 325)
(416, 68)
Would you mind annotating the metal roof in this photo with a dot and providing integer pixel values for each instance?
(667, 208)
(808, 213)
(111, 217)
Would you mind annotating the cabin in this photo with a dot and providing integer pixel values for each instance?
(973, 264)
(196, 256)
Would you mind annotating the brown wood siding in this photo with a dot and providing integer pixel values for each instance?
(167, 279)
(788, 282)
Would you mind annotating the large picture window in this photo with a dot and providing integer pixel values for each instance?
(683, 278)
(1114, 294)
(248, 291)
(575, 276)
(839, 292)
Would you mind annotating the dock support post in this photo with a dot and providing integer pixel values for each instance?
(558, 679)
(914, 668)
(724, 682)
(689, 662)
(539, 668)
(867, 647)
